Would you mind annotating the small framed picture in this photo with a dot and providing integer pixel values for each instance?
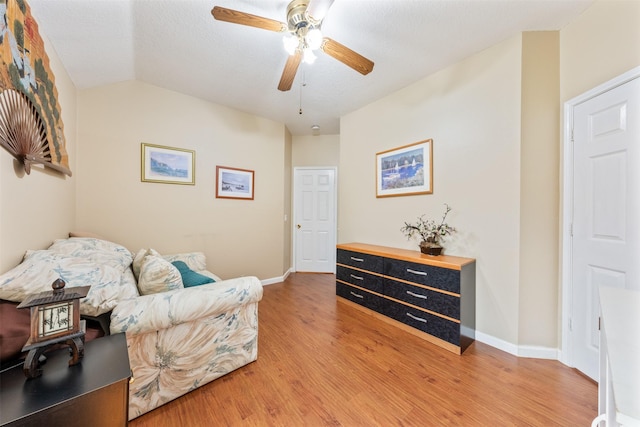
(168, 165)
(234, 183)
(406, 170)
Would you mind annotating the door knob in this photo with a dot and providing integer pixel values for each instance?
(299, 226)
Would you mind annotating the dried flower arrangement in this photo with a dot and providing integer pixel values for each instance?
(431, 232)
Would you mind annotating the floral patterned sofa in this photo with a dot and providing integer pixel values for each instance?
(180, 335)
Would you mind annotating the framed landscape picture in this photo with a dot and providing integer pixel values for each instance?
(405, 170)
(234, 183)
(168, 165)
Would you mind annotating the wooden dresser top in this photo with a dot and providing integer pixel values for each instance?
(444, 261)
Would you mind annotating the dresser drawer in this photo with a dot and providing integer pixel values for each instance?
(440, 278)
(361, 297)
(437, 326)
(359, 260)
(431, 300)
(360, 278)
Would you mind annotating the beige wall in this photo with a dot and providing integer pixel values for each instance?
(287, 261)
(471, 110)
(239, 237)
(38, 208)
(602, 43)
(539, 192)
(320, 150)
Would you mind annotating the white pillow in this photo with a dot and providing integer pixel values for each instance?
(158, 275)
(40, 269)
(139, 257)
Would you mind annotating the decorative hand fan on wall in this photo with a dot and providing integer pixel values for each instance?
(31, 127)
(304, 19)
(22, 132)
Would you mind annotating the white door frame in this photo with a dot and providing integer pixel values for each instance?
(566, 355)
(294, 252)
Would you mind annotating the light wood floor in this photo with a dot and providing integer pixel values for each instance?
(323, 363)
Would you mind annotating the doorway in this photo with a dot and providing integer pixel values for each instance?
(314, 219)
(601, 204)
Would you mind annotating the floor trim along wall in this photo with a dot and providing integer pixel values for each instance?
(520, 351)
(277, 279)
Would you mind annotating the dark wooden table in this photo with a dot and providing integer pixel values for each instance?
(94, 392)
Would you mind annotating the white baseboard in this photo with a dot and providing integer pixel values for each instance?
(520, 351)
(497, 343)
(276, 279)
(537, 352)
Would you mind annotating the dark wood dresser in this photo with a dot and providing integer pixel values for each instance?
(94, 392)
(432, 297)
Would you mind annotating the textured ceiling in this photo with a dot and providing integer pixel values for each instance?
(177, 45)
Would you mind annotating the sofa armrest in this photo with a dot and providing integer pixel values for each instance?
(161, 311)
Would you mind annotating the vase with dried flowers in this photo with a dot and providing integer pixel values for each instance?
(430, 232)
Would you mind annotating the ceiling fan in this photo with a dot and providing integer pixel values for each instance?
(304, 19)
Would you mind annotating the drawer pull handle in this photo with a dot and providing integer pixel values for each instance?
(357, 259)
(356, 295)
(419, 273)
(417, 295)
(353, 276)
(419, 319)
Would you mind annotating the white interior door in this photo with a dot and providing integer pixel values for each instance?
(606, 213)
(315, 219)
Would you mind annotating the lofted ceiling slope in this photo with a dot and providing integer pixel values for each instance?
(177, 45)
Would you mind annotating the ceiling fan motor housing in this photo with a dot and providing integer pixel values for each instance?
(296, 15)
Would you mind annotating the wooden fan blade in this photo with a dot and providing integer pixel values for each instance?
(318, 9)
(237, 17)
(290, 70)
(347, 56)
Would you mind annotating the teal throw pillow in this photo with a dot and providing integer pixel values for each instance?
(189, 277)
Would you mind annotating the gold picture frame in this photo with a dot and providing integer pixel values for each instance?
(406, 170)
(168, 165)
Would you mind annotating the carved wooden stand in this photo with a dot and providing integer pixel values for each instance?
(31, 367)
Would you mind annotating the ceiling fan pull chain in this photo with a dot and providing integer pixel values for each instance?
(302, 85)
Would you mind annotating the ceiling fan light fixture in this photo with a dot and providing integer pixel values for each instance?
(314, 38)
(308, 56)
(290, 43)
